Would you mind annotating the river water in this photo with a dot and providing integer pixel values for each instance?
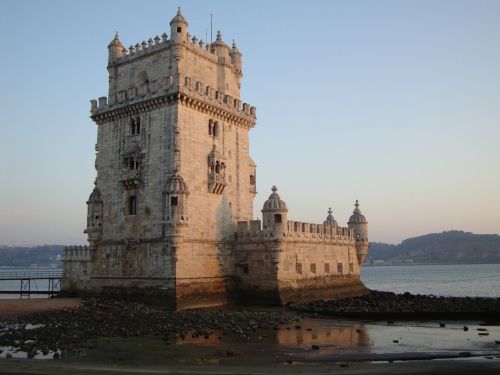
(441, 280)
(462, 280)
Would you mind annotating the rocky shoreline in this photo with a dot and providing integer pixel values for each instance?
(68, 330)
(378, 304)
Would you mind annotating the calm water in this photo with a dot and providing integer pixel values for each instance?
(441, 280)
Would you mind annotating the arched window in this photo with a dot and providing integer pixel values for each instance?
(215, 131)
(210, 127)
(132, 205)
(132, 126)
(217, 167)
(137, 125)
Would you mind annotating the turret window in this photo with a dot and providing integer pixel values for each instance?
(132, 205)
(173, 201)
(135, 125)
(252, 179)
(213, 128)
(179, 29)
(277, 218)
(131, 163)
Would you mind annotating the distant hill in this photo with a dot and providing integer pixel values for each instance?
(25, 257)
(452, 247)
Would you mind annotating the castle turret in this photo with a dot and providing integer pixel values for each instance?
(94, 218)
(115, 49)
(176, 201)
(236, 57)
(220, 48)
(178, 27)
(275, 215)
(330, 220)
(357, 222)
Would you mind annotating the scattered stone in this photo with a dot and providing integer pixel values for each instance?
(390, 303)
(70, 330)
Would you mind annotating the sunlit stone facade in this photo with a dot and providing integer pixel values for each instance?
(170, 217)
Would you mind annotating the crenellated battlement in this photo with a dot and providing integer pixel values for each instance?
(154, 93)
(77, 254)
(193, 44)
(252, 231)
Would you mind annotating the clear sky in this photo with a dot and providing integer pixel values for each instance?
(394, 103)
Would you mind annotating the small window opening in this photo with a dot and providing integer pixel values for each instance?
(210, 127)
(245, 268)
(340, 268)
(277, 218)
(351, 267)
(252, 179)
(313, 267)
(327, 267)
(179, 29)
(173, 201)
(132, 207)
(217, 167)
(215, 131)
(298, 268)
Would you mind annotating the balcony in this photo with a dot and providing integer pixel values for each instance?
(216, 183)
(130, 178)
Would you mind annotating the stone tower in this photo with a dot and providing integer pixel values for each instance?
(170, 217)
(174, 174)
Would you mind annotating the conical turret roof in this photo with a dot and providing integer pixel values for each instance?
(274, 202)
(357, 216)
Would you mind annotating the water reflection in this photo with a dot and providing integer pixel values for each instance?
(311, 338)
(323, 335)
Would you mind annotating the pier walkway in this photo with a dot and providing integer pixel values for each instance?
(25, 279)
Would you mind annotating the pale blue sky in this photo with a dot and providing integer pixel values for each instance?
(394, 103)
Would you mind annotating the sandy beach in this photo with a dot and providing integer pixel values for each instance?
(14, 308)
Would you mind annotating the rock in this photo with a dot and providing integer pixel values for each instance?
(466, 328)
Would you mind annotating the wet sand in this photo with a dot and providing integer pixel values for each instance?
(14, 308)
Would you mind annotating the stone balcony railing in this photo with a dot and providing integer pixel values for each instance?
(131, 178)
